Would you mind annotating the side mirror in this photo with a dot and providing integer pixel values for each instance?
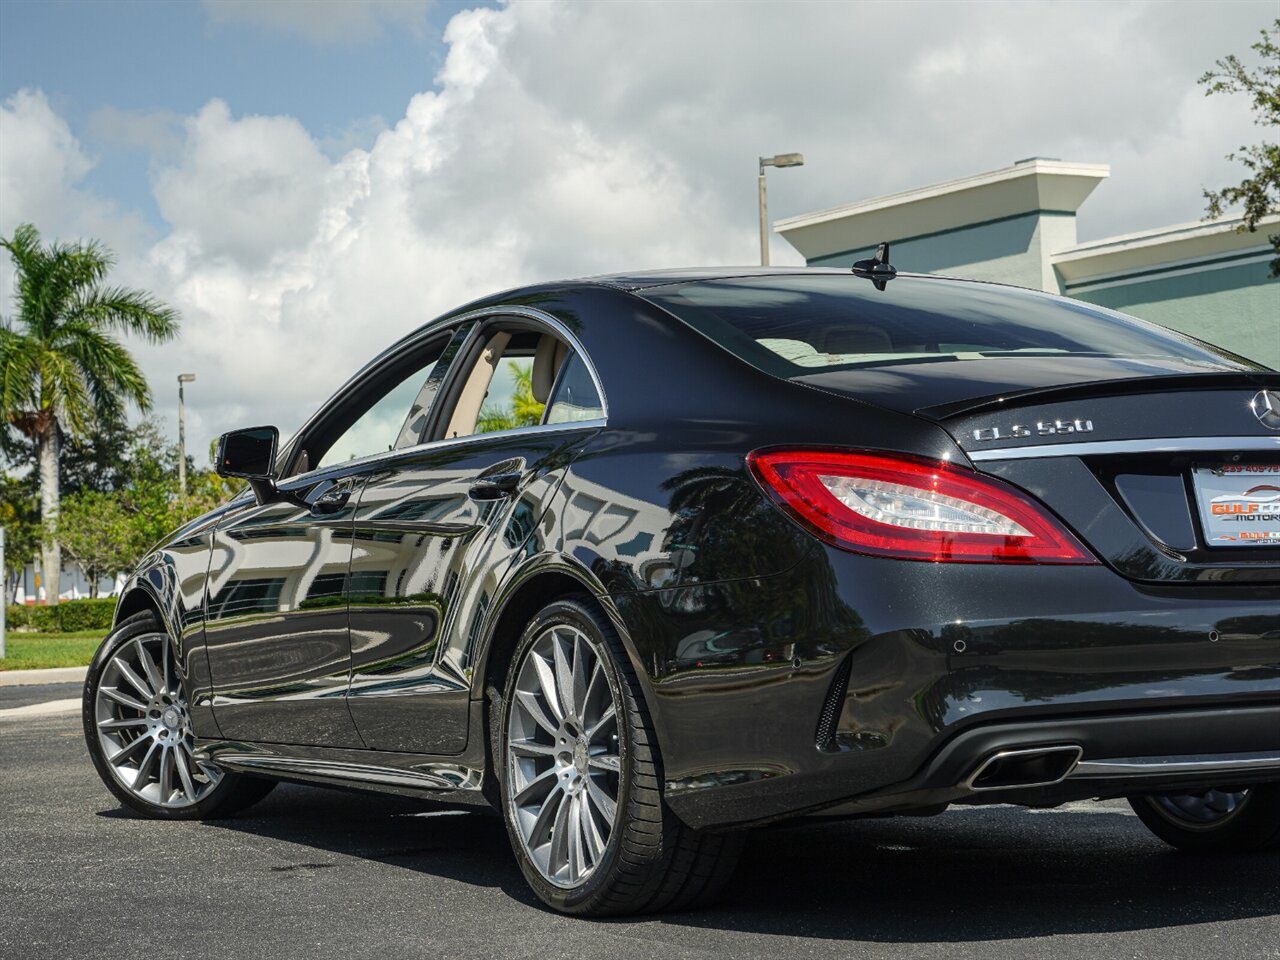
(250, 454)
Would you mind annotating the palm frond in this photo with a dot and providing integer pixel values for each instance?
(108, 369)
(64, 391)
(130, 311)
(19, 373)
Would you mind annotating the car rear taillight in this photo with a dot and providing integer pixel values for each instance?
(913, 509)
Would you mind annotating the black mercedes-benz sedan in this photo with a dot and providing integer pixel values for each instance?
(643, 561)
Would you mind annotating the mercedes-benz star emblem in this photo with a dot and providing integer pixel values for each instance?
(1266, 407)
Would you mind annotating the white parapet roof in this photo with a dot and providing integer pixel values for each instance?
(1184, 244)
(1024, 187)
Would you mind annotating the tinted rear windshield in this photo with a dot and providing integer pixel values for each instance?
(793, 325)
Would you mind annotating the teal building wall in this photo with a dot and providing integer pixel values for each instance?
(1235, 305)
(1006, 250)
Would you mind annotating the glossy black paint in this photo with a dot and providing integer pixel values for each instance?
(396, 608)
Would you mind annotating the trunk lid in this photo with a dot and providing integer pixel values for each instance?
(1169, 475)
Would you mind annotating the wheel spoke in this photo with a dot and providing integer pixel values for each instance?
(547, 683)
(122, 724)
(166, 773)
(184, 772)
(167, 671)
(543, 782)
(609, 762)
(530, 704)
(141, 779)
(564, 678)
(112, 693)
(573, 827)
(149, 667)
(546, 815)
(605, 717)
(135, 681)
(579, 682)
(560, 835)
(590, 832)
(531, 748)
(604, 803)
(128, 749)
(597, 673)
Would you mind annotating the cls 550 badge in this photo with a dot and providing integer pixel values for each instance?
(1041, 428)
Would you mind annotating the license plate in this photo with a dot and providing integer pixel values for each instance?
(1239, 504)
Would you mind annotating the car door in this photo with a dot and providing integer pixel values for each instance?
(435, 530)
(276, 618)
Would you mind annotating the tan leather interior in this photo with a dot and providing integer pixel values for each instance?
(467, 409)
(547, 361)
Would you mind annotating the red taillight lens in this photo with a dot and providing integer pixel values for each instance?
(913, 509)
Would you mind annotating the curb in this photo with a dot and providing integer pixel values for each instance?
(49, 709)
(18, 678)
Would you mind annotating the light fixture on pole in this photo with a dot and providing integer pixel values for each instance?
(182, 434)
(781, 160)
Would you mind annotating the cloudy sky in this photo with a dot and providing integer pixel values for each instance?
(308, 180)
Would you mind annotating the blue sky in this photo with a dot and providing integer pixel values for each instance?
(156, 57)
(307, 181)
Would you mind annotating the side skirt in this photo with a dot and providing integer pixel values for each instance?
(456, 779)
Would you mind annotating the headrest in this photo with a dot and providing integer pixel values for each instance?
(547, 359)
(857, 338)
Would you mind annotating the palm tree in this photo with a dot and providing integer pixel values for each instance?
(60, 367)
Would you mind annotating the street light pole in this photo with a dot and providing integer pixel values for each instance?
(182, 434)
(781, 160)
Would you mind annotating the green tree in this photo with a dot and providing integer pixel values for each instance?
(522, 411)
(98, 534)
(20, 518)
(1259, 193)
(61, 367)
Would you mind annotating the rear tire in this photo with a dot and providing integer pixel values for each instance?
(137, 725)
(1215, 821)
(574, 744)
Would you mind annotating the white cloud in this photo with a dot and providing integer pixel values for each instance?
(323, 21)
(249, 189)
(571, 139)
(42, 169)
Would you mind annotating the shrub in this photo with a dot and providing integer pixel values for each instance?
(69, 616)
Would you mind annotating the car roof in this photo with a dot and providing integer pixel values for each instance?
(640, 279)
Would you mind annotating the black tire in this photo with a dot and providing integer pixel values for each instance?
(229, 795)
(1252, 825)
(652, 862)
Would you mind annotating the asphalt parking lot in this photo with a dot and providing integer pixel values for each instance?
(315, 873)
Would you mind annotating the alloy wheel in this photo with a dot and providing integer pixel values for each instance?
(1208, 809)
(143, 726)
(564, 766)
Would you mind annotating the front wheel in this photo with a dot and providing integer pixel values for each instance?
(137, 724)
(580, 775)
(1214, 821)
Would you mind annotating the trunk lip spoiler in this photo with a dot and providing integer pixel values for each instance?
(1125, 386)
(1150, 445)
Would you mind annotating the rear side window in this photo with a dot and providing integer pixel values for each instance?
(574, 397)
(793, 325)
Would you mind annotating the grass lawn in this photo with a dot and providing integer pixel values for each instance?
(30, 651)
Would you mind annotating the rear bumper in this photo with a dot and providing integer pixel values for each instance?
(1104, 756)
(881, 685)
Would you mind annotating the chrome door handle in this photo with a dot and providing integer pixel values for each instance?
(498, 482)
(332, 500)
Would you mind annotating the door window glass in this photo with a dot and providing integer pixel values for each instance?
(380, 428)
(574, 397)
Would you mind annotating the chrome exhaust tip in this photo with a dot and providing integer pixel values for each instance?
(1024, 768)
